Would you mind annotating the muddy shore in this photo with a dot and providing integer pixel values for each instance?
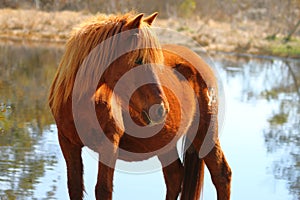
(245, 37)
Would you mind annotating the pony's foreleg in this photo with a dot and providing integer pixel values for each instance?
(220, 171)
(104, 185)
(108, 157)
(173, 173)
(72, 155)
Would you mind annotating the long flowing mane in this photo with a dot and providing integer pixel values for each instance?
(82, 41)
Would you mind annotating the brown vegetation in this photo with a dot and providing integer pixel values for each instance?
(245, 26)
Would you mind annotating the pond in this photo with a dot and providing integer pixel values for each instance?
(260, 136)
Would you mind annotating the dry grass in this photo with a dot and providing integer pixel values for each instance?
(38, 25)
(54, 27)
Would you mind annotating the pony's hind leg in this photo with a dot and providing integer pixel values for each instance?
(220, 171)
(72, 155)
(173, 173)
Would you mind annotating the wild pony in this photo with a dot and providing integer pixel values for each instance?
(95, 106)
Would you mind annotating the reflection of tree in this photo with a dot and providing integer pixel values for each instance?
(283, 133)
(276, 81)
(25, 74)
(294, 77)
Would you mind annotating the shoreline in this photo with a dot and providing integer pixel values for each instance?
(239, 38)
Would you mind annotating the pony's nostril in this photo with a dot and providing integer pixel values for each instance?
(157, 113)
(160, 111)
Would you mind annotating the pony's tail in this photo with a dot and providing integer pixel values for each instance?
(193, 174)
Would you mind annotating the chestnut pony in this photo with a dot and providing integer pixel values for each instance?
(91, 100)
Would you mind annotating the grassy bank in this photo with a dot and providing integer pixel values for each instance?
(36, 25)
(282, 48)
(239, 37)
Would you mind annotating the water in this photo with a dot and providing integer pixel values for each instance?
(260, 137)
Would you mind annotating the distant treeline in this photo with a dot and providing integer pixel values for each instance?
(284, 12)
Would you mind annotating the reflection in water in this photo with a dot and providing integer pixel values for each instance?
(278, 82)
(25, 74)
(28, 151)
(283, 134)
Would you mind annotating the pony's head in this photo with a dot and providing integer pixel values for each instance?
(134, 61)
(101, 52)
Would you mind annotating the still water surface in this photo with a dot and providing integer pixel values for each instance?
(261, 135)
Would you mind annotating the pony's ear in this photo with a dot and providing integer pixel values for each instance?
(135, 22)
(149, 20)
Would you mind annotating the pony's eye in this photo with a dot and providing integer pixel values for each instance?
(139, 61)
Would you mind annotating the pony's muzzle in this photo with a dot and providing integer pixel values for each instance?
(156, 114)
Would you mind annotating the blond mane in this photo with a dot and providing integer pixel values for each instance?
(82, 41)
